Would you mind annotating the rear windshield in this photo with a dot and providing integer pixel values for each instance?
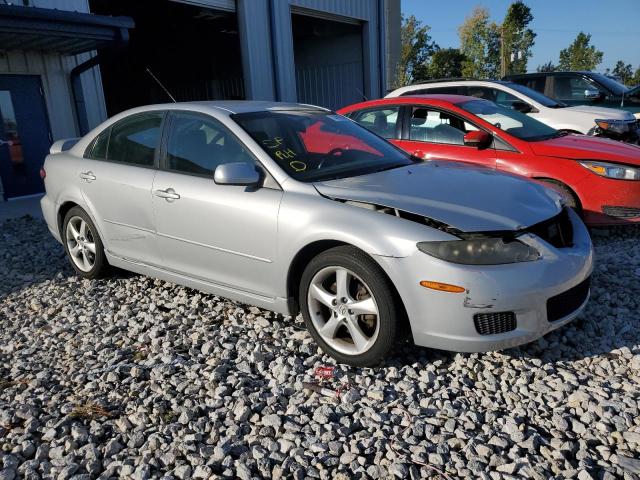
(315, 145)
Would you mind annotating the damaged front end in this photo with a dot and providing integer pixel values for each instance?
(483, 248)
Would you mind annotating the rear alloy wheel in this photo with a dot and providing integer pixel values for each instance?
(349, 306)
(83, 245)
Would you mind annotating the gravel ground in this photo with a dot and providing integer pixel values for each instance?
(138, 378)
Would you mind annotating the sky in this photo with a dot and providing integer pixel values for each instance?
(614, 25)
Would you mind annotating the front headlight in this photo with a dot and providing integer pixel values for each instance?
(480, 251)
(616, 126)
(612, 170)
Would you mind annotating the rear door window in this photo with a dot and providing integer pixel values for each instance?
(382, 121)
(134, 139)
(428, 125)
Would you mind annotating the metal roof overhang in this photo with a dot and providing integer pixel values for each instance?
(69, 33)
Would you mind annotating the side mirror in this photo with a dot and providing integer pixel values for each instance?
(593, 94)
(237, 174)
(477, 138)
(522, 107)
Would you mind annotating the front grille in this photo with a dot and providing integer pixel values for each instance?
(494, 323)
(558, 231)
(621, 212)
(567, 302)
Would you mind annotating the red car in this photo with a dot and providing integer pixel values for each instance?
(599, 177)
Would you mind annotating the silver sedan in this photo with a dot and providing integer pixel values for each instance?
(295, 208)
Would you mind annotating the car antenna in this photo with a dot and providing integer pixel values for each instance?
(161, 85)
(364, 97)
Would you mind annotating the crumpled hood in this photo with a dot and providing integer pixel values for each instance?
(601, 113)
(589, 148)
(469, 198)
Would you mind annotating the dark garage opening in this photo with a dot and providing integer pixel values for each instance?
(328, 59)
(194, 51)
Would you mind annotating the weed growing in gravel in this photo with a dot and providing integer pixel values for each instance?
(89, 411)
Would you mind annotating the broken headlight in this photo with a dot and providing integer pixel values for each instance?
(480, 251)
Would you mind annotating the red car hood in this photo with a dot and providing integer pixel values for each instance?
(591, 148)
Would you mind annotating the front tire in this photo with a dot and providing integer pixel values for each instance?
(83, 244)
(349, 306)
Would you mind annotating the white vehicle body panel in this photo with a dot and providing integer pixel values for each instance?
(580, 119)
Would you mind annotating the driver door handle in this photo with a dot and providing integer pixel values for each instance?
(88, 176)
(169, 194)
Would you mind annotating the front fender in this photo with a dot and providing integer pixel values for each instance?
(305, 219)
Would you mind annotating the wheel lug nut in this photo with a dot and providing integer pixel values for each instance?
(344, 300)
(334, 302)
(350, 312)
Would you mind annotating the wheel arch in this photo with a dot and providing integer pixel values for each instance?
(315, 248)
(563, 185)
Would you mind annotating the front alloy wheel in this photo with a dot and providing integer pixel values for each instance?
(350, 306)
(343, 311)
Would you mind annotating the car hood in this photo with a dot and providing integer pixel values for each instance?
(601, 113)
(580, 147)
(469, 198)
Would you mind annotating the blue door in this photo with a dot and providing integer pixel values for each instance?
(24, 134)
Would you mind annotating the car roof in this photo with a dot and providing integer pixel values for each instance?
(232, 106)
(440, 99)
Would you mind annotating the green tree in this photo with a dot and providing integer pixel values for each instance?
(580, 55)
(517, 39)
(546, 67)
(635, 80)
(416, 47)
(480, 44)
(624, 72)
(446, 63)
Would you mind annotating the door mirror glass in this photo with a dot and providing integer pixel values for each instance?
(479, 139)
(239, 173)
(592, 94)
(522, 107)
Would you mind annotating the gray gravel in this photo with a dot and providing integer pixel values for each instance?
(134, 377)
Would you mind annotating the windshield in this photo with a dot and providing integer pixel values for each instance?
(511, 121)
(536, 96)
(615, 87)
(314, 145)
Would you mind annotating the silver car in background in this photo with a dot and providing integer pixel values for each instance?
(294, 208)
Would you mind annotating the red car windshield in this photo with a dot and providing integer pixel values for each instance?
(314, 145)
(515, 123)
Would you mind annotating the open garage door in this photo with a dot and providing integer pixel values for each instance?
(328, 59)
(194, 51)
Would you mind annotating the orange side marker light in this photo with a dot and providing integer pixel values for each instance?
(443, 287)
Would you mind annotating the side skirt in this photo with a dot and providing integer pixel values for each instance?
(277, 304)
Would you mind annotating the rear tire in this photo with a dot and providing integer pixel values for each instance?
(83, 244)
(350, 307)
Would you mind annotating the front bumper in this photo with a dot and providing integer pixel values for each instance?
(608, 201)
(446, 320)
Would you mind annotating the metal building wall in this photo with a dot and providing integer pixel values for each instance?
(54, 70)
(266, 33)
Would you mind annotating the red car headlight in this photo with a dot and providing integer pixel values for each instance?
(612, 170)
